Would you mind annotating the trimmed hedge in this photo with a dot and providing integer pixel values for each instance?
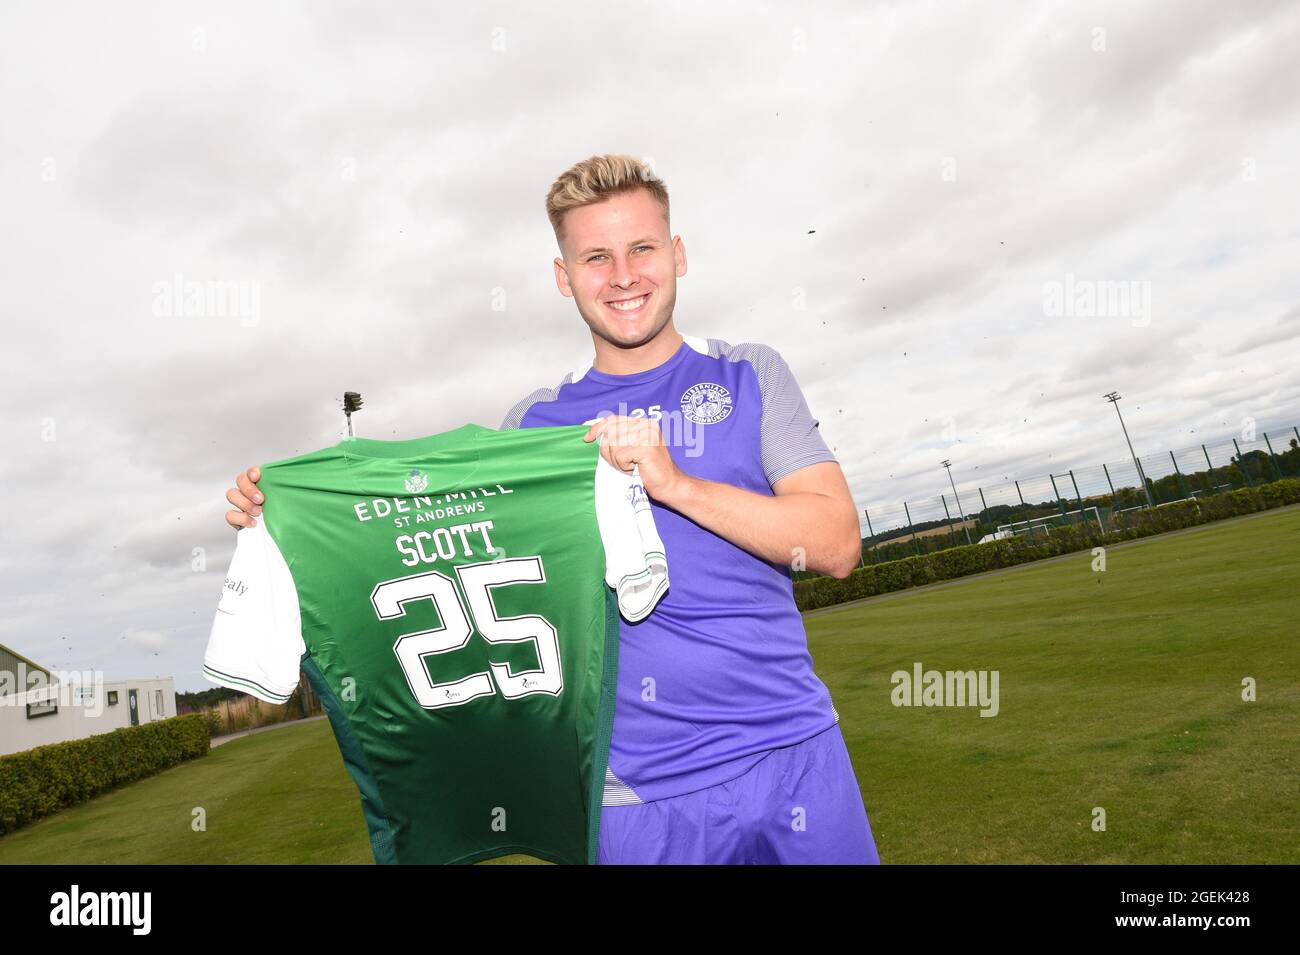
(977, 558)
(41, 781)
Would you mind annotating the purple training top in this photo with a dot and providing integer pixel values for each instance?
(720, 673)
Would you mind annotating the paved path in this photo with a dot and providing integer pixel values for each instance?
(262, 729)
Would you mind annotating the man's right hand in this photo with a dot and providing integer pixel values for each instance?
(247, 498)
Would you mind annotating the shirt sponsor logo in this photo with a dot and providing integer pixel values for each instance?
(706, 403)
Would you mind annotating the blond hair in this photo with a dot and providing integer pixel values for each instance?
(595, 180)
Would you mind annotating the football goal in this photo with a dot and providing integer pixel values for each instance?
(1044, 525)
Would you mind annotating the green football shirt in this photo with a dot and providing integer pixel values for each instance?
(454, 601)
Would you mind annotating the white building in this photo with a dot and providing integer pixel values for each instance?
(40, 706)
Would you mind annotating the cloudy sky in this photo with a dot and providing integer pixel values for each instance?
(913, 202)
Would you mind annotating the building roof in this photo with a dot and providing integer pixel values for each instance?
(9, 659)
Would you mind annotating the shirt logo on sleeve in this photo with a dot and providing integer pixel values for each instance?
(636, 496)
(417, 482)
(706, 403)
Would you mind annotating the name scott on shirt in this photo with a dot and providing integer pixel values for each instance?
(440, 543)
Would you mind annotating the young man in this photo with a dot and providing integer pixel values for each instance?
(725, 748)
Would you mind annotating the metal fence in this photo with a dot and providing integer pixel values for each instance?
(1099, 493)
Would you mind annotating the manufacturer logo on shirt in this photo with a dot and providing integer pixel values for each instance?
(706, 403)
(636, 496)
(417, 482)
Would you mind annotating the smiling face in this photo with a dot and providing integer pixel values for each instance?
(621, 266)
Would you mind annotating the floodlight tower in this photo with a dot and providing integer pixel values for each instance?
(1113, 397)
(351, 402)
(948, 464)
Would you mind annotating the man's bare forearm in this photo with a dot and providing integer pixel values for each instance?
(778, 528)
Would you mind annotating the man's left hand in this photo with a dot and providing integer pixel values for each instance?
(638, 443)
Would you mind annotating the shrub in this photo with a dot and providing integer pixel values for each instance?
(41, 781)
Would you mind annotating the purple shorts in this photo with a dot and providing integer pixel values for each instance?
(798, 805)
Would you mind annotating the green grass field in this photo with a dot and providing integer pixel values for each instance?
(1120, 690)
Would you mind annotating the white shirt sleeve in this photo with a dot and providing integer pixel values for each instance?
(635, 563)
(256, 640)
